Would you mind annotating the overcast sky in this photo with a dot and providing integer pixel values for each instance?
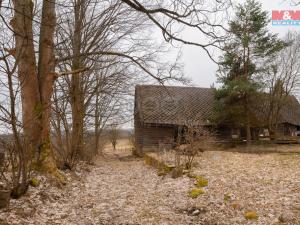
(202, 70)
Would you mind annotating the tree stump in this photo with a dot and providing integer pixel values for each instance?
(4, 198)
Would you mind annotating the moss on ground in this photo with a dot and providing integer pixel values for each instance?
(201, 182)
(227, 198)
(251, 215)
(194, 193)
(34, 182)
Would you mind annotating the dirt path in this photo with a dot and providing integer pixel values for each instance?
(120, 190)
(117, 190)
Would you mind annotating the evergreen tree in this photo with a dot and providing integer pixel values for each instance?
(248, 51)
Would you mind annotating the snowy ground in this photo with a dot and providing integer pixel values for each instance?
(120, 189)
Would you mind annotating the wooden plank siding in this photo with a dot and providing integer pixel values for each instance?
(157, 138)
(152, 138)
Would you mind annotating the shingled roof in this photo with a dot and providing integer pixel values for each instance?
(289, 113)
(173, 104)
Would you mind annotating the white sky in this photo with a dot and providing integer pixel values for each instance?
(202, 70)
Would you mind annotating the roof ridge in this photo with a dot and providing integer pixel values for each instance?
(170, 86)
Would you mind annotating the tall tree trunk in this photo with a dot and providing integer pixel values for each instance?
(36, 81)
(27, 70)
(77, 117)
(27, 75)
(247, 105)
(248, 132)
(46, 78)
(248, 123)
(76, 86)
(97, 124)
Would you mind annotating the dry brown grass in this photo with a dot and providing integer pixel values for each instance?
(123, 144)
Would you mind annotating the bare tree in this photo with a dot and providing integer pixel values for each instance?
(112, 87)
(97, 92)
(283, 79)
(113, 135)
(94, 93)
(36, 72)
(16, 151)
(106, 98)
(36, 78)
(199, 15)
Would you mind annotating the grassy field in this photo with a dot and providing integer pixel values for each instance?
(123, 144)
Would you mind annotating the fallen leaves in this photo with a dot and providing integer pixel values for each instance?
(115, 192)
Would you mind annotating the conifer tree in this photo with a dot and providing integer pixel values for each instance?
(248, 51)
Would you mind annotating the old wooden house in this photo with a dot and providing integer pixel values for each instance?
(160, 110)
(288, 115)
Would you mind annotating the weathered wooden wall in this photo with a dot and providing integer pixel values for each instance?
(152, 138)
(138, 135)
(157, 138)
(286, 129)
